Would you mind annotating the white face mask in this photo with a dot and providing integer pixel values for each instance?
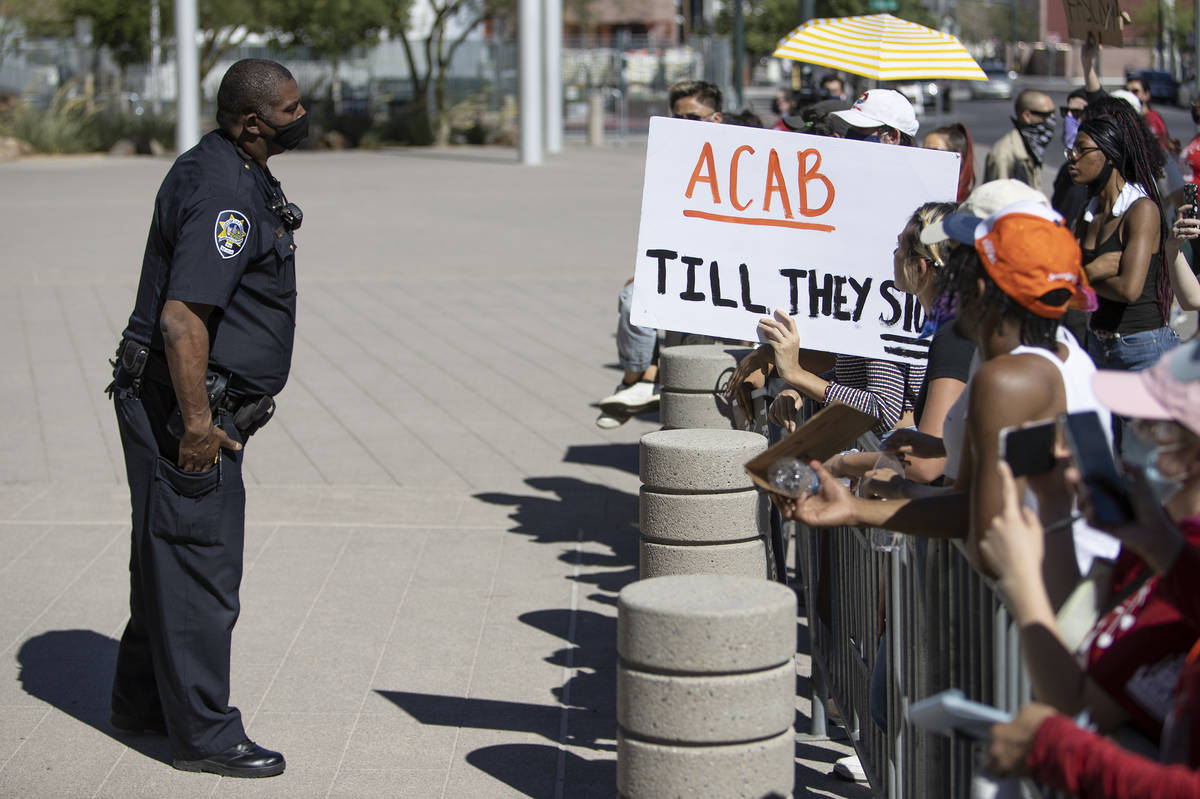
(1142, 454)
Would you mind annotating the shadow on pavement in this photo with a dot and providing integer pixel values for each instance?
(507, 763)
(596, 525)
(603, 514)
(72, 670)
(616, 456)
(494, 714)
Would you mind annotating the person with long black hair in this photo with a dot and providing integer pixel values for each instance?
(1123, 235)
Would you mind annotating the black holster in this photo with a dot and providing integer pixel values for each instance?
(253, 413)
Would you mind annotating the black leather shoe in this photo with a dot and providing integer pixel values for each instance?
(247, 759)
(135, 725)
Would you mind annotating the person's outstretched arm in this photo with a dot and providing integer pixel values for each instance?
(1089, 55)
(1051, 749)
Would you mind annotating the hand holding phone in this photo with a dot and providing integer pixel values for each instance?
(1028, 449)
(1110, 500)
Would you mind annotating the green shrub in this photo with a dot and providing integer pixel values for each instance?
(62, 127)
(67, 126)
(110, 127)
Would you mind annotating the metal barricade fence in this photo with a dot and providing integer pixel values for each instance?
(946, 627)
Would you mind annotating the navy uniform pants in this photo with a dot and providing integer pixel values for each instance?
(185, 570)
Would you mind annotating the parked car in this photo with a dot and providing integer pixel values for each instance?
(1163, 86)
(999, 83)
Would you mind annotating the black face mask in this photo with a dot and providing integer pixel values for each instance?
(290, 135)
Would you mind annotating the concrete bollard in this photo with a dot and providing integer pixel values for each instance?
(595, 122)
(698, 511)
(706, 688)
(690, 376)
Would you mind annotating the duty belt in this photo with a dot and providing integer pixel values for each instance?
(141, 363)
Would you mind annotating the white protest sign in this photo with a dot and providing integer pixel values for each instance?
(737, 222)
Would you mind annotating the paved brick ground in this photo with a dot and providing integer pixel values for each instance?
(437, 530)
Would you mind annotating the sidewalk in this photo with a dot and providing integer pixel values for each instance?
(437, 531)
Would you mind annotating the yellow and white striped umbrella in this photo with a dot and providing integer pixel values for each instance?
(880, 46)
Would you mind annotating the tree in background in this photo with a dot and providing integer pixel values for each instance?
(985, 20)
(450, 23)
(1178, 25)
(327, 29)
(123, 26)
(12, 27)
(224, 25)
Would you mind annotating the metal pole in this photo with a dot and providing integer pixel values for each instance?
(553, 69)
(1010, 47)
(739, 49)
(155, 58)
(187, 70)
(529, 28)
(1158, 42)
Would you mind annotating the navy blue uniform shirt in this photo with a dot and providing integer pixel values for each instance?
(214, 240)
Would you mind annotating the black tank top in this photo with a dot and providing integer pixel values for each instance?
(1144, 313)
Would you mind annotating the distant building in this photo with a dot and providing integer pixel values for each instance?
(607, 22)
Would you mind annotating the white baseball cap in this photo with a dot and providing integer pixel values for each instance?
(881, 107)
(1129, 97)
(985, 200)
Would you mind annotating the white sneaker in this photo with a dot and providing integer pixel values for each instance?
(850, 769)
(608, 421)
(630, 400)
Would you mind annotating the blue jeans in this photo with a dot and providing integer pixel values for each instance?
(1133, 352)
(635, 345)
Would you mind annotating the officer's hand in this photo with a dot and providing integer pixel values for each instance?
(199, 452)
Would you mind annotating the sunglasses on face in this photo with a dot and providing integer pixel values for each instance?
(1071, 112)
(1040, 114)
(1075, 153)
(693, 117)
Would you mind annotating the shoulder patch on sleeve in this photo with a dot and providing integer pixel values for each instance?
(230, 232)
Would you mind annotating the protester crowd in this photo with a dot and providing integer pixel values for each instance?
(1040, 308)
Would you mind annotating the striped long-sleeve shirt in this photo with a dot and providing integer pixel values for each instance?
(884, 389)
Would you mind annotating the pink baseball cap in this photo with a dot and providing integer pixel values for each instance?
(1168, 391)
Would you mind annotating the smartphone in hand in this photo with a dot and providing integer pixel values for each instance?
(1191, 194)
(1028, 449)
(1093, 456)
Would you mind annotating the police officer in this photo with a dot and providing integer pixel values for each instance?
(208, 344)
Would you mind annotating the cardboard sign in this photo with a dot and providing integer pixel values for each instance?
(737, 222)
(830, 431)
(1102, 17)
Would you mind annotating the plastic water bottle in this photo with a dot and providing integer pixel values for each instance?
(793, 477)
(886, 540)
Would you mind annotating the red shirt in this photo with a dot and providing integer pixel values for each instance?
(1083, 764)
(1155, 122)
(1189, 161)
(1135, 651)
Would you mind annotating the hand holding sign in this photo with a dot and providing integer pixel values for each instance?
(1102, 19)
(784, 339)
